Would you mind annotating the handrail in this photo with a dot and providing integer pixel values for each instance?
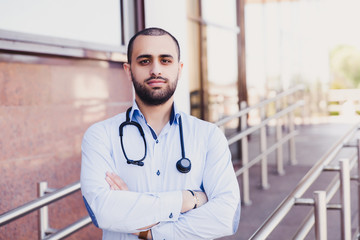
(281, 211)
(331, 190)
(269, 150)
(83, 222)
(291, 105)
(45, 200)
(260, 104)
(252, 129)
(38, 203)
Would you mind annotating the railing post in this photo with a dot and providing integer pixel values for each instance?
(263, 147)
(345, 199)
(292, 152)
(44, 228)
(320, 215)
(279, 150)
(43, 212)
(358, 184)
(245, 159)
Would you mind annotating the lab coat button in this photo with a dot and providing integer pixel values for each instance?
(171, 215)
(157, 141)
(158, 172)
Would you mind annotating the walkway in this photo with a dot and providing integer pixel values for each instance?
(312, 143)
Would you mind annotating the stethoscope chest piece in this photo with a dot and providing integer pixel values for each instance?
(183, 165)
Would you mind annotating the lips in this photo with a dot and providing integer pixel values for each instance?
(156, 82)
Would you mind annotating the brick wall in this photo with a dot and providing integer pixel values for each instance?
(46, 104)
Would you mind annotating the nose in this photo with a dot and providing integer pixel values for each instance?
(155, 69)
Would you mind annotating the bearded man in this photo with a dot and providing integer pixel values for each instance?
(154, 172)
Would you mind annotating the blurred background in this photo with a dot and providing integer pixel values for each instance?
(61, 71)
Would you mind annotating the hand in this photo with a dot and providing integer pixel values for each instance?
(189, 200)
(202, 198)
(148, 234)
(115, 182)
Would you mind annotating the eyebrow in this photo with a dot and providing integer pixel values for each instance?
(166, 56)
(150, 56)
(143, 56)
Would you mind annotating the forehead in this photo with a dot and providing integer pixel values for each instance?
(154, 46)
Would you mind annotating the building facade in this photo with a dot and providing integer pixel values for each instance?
(61, 71)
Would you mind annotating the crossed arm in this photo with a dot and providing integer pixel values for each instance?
(117, 209)
(188, 200)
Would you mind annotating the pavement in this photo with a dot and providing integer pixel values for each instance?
(313, 142)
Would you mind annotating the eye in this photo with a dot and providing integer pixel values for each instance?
(144, 61)
(166, 61)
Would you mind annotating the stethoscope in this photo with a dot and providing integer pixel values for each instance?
(183, 165)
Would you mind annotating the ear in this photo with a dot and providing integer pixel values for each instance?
(127, 69)
(181, 65)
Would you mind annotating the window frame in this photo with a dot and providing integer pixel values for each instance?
(14, 41)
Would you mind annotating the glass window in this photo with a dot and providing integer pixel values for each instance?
(222, 59)
(71, 24)
(82, 20)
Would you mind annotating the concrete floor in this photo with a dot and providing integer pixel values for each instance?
(312, 143)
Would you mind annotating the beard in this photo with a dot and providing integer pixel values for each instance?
(155, 96)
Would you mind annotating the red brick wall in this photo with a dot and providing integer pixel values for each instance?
(46, 104)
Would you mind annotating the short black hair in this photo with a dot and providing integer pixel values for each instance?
(150, 32)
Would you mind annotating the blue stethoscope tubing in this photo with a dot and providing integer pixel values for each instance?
(183, 165)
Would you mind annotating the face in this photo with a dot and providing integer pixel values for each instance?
(154, 69)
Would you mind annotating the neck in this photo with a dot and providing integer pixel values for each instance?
(156, 116)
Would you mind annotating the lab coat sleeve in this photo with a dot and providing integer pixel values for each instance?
(121, 211)
(221, 214)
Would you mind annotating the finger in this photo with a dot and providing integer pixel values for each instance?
(112, 184)
(109, 181)
(108, 178)
(118, 182)
(113, 181)
(202, 198)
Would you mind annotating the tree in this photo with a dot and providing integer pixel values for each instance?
(345, 67)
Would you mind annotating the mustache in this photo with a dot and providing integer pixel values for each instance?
(152, 78)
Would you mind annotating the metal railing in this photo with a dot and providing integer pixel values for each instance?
(47, 196)
(285, 106)
(317, 216)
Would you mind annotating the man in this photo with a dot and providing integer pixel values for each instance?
(132, 179)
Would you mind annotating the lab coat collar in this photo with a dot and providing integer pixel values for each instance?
(174, 116)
